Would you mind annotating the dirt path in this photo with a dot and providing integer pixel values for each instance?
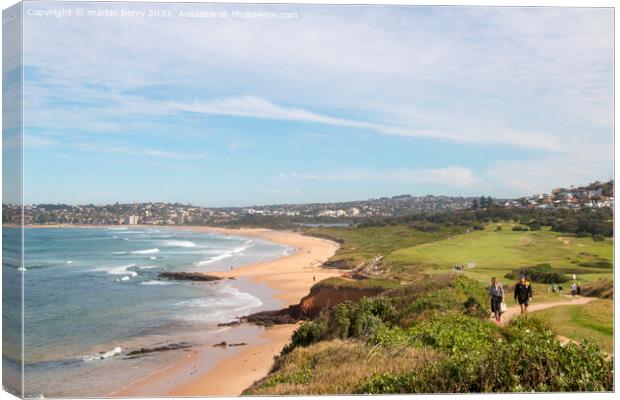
(514, 312)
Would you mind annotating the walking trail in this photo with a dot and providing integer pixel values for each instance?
(514, 312)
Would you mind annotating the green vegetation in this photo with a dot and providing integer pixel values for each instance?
(428, 329)
(386, 345)
(375, 283)
(602, 288)
(360, 244)
(578, 322)
(337, 366)
(525, 357)
(495, 253)
(540, 273)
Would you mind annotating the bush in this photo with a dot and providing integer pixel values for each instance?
(541, 273)
(534, 225)
(596, 264)
(528, 358)
(518, 228)
(358, 320)
(308, 332)
(425, 226)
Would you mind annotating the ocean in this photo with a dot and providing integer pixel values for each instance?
(92, 296)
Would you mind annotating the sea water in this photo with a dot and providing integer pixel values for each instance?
(93, 295)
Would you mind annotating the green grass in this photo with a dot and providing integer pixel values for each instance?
(361, 244)
(497, 253)
(594, 319)
(375, 283)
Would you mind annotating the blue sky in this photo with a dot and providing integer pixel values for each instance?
(341, 103)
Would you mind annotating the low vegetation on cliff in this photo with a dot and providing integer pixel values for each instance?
(430, 336)
(427, 328)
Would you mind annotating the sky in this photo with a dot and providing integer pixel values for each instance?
(318, 104)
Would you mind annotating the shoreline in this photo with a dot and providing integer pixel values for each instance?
(227, 371)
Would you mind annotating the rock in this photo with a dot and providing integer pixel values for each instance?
(231, 323)
(220, 344)
(238, 344)
(189, 276)
(144, 350)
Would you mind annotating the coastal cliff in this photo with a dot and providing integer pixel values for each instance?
(322, 296)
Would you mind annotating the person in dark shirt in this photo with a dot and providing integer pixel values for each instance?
(523, 293)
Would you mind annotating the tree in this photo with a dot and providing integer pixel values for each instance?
(474, 204)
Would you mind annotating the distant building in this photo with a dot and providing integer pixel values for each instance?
(133, 220)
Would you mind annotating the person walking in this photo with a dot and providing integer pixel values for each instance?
(523, 293)
(573, 289)
(496, 295)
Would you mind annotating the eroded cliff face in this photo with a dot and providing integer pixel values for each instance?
(319, 298)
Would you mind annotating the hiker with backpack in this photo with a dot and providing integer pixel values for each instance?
(523, 293)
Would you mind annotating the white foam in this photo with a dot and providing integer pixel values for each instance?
(147, 267)
(147, 251)
(179, 243)
(152, 258)
(69, 262)
(123, 279)
(22, 269)
(120, 270)
(158, 283)
(225, 255)
(224, 308)
(103, 355)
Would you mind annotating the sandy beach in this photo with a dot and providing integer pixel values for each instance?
(227, 371)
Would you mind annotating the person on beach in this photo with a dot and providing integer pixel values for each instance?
(523, 293)
(573, 289)
(496, 295)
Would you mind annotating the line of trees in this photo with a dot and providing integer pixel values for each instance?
(582, 222)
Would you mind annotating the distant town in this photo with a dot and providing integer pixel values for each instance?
(595, 195)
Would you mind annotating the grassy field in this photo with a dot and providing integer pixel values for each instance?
(494, 253)
(359, 245)
(594, 319)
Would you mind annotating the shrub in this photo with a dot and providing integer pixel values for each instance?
(358, 320)
(602, 288)
(596, 264)
(528, 358)
(425, 226)
(541, 273)
(518, 228)
(534, 225)
(308, 332)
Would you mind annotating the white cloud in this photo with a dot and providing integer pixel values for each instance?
(97, 148)
(255, 107)
(530, 78)
(540, 175)
(453, 176)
